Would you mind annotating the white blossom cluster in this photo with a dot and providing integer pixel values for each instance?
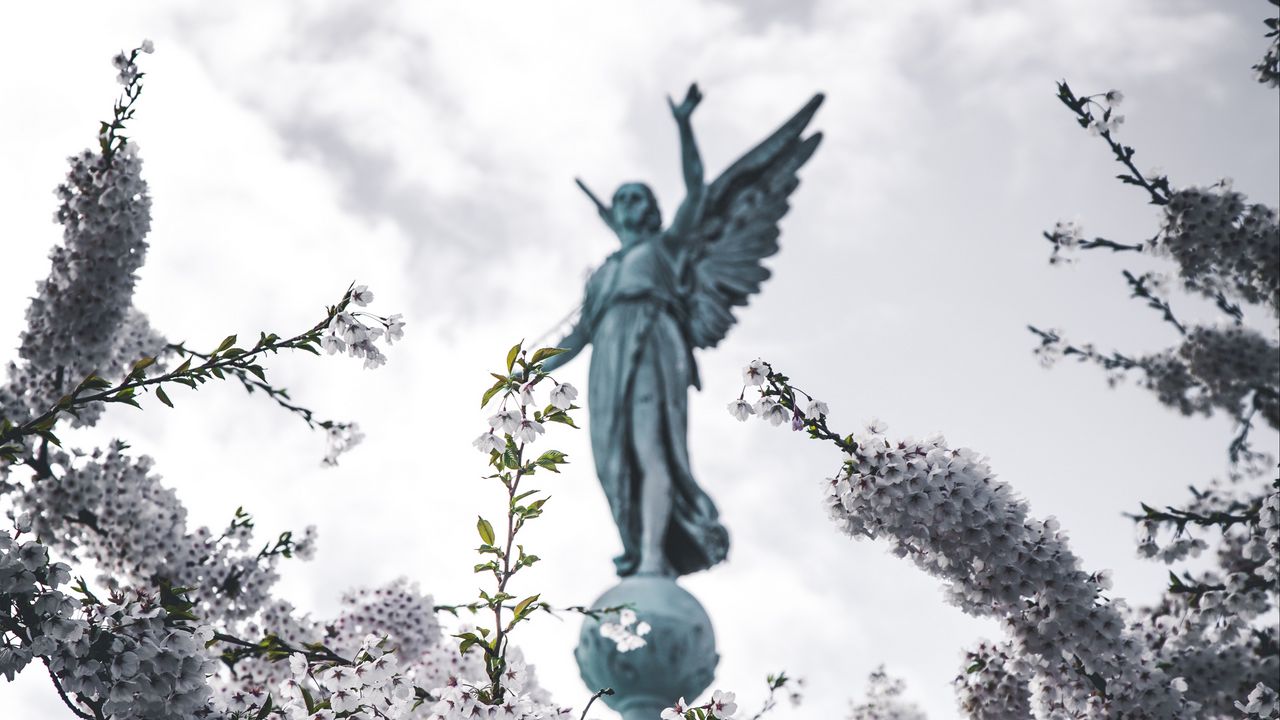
(398, 610)
(523, 700)
(767, 407)
(138, 660)
(127, 65)
(111, 510)
(412, 652)
(127, 657)
(722, 706)
(1231, 368)
(1232, 362)
(1263, 703)
(884, 700)
(340, 437)
(993, 685)
(1216, 627)
(517, 422)
(623, 636)
(1066, 236)
(354, 331)
(1220, 656)
(29, 582)
(373, 687)
(81, 319)
(945, 510)
(1222, 244)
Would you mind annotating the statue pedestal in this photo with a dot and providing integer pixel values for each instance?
(678, 661)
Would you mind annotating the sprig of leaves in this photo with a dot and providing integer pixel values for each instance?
(195, 370)
(502, 557)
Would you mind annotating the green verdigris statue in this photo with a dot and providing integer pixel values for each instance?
(662, 294)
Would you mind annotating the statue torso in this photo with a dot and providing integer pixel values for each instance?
(643, 271)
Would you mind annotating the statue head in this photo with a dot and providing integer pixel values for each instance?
(635, 209)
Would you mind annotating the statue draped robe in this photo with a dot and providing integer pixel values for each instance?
(642, 362)
(645, 310)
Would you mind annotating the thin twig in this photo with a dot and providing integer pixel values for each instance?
(1140, 290)
(602, 691)
(57, 685)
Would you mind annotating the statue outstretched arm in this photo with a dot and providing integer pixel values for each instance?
(687, 216)
(573, 343)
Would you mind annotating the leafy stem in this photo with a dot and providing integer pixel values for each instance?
(507, 456)
(226, 358)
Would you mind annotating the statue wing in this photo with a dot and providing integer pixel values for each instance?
(738, 226)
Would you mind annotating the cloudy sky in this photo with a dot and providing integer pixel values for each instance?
(428, 150)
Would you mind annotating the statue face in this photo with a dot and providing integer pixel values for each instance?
(636, 209)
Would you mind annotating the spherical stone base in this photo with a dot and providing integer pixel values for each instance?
(679, 659)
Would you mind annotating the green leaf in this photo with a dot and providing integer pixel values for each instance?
(486, 531)
(228, 342)
(488, 394)
(93, 382)
(141, 365)
(522, 608)
(186, 365)
(266, 709)
(164, 398)
(554, 457)
(510, 459)
(512, 354)
(561, 418)
(544, 353)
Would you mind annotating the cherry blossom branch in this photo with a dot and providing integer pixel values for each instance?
(511, 432)
(1239, 446)
(226, 358)
(1181, 518)
(251, 384)
(274, 648)
(1051, 342)
(775, 683)
(1138, 286)
(109, 138)
(1158, 187)
(942, 508)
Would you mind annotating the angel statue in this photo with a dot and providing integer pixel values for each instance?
(655, 299)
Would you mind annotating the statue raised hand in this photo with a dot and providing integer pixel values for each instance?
(662, 294)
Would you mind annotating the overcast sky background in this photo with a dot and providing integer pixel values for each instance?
(428, 150)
